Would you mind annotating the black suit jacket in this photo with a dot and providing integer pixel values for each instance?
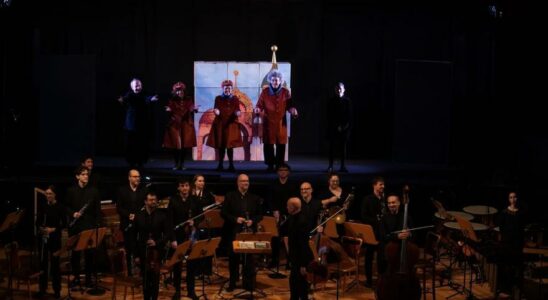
(236, 205)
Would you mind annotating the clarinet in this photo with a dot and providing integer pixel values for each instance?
(81, 212)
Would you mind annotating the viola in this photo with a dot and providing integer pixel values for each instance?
(400, 280)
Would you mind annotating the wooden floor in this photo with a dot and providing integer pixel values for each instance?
(274, 289)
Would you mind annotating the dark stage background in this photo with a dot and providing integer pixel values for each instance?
(446, 84)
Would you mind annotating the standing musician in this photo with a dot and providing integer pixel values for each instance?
(299, 254)
(373, 207)
(83, 208)
(241, 212)
(51, 220)
(390, 222)
(203, 198)
(182, 206)
(310, 206)
(154, 230)
(129, 199)
(281, 190)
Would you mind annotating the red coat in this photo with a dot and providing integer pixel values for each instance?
(180, 132)
(225, 130)
(273, 107)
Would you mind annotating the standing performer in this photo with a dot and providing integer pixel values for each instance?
(225, 130)
(51, 220)
(181, 208)
(129, 200)
(339, 122)
(154, 230)
(273, 103)
(281, 190)
(83, 208)
(299, 254)
(511, 221)
(137, 118)
(180, 134)
(390, 222)
(241, 212)
(373, 208)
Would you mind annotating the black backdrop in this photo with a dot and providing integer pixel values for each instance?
(490, 118)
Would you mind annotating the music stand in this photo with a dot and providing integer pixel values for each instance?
(90, 239)
(469, 234)
(10, 222)
(362, 231)
(270, 225)
(69, 246)
(202, 249)
(238, 245)
(178, 255)
(212, 220)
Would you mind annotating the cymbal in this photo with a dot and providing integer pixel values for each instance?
(480, 210)
(475, 226)
(450, 213)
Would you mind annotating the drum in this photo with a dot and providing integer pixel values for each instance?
(451, 213)
(485, 213)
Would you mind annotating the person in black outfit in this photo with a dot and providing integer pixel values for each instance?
(511, 222)
(373, 208)
(203, 197)
(280, 191)
(300, 254)
(83, 206)
(94, 177)
(154, 230)
(310, 206)
(339, 123)
(129, 200)
(182, 206)
(136, 123)
(241, 211)
(50, 221)
(390, 222)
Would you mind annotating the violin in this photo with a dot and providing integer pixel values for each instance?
(400, 280)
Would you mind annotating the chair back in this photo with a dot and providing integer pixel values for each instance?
(352, 246)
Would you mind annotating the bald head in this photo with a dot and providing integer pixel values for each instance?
(243, 183)
(293, 205)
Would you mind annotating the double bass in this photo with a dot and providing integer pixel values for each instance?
(400, 280)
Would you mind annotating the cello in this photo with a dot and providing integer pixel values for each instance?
(400, 280)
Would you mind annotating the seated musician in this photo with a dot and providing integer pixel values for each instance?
(299, 254)
(182, 206)
(154, 230)
(241, 212)
(390, 222)
(50, 221)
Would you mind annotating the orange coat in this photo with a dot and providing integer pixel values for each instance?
(225, 130)
(180, 132)
(273, 107)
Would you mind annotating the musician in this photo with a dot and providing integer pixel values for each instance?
(203, 198)
(390, 222)
(511, 221)
(83, 207)
(182, 206)
(94, 177)
(373, 207)
(310, 206)
(50, 221)
(154, 230)
(129, 200)
(280, 191)
(299, 254)
(241, 212)
(334, 195)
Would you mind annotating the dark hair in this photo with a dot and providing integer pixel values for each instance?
(151, 193)
(86, 157)
(377, 179)
(52, 188)
(182, 180)
(79, 170)
(196, 177)
(284, 166)
(332, 174)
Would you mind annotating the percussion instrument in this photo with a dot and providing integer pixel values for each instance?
(480, 210)
(476, 226)
(451, 213)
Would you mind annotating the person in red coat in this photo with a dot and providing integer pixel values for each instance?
(225, 130)
(180, 134)
(273, 103)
